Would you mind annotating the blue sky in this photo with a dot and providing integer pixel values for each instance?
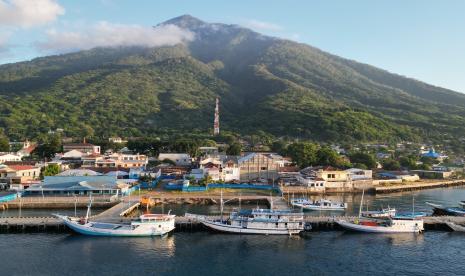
(420, 39)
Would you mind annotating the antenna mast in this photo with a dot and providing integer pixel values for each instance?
(216, 122)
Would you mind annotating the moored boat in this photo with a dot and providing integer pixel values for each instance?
(256, 221)
(320, 205)
(146, 225)
(456, 227)
(383, 213)
(391, 225)
(440, 210)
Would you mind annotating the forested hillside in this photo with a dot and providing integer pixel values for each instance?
(265, 84)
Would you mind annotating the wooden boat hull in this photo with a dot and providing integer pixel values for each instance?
(375, 229)
(87, 229)
(318, 208)
(240, 230)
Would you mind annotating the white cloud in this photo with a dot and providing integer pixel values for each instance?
(4, 37)
(28, 13)
(106, 34)
(262, 25)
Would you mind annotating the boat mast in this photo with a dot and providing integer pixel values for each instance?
(88, 208)
(240, 195)
(221, 205)
(361, 205)
(413, 206)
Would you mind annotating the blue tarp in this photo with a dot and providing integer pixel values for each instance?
(8, 197)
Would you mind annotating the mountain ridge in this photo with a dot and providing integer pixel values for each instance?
(266, 84)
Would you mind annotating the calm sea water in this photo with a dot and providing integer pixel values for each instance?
(206, 253)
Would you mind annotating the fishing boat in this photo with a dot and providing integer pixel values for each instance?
(255, 221)
(146, 225)
(456, 227)
(440, 210)
(383, 213)
(320, 205)
(389, 225)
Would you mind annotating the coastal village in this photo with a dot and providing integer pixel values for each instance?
(117, 172)
(81, 168)
(67, 172)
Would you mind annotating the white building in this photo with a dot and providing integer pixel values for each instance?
(116, 140)
(180, 159)
(359, 174)
(9, 157)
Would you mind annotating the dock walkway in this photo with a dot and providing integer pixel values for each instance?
(50, 224)
(417, 186)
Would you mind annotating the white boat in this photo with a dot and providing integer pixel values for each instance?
(147, 225)
(391, 225)
(256, 221)
(383, 213)
(387, 226)
(321, 205)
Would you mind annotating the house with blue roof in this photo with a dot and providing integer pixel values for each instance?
(78, 185)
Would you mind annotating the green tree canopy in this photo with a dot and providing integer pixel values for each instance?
(363, 158)
(303, 153)
(234, 149)
(409, 162)
(391, 165)
(4, 144)
(48, 147)
(279, 147)
(52, 169)
(329, 157)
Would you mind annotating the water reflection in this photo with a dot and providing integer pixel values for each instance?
(164, 246)
(405, 239)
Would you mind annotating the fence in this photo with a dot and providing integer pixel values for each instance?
(180, 187)
(150, 185)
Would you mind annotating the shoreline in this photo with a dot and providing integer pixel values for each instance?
(392, 188)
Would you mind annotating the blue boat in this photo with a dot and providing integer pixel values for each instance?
(410, 215)
(439, 210)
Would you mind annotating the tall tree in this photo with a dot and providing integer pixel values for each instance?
(234, 149)
(363, 158)
(4, 144)
(52, 169)
(303, 153)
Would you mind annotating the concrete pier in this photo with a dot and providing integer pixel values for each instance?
(320, 223)
(417, 186)
(52, 202)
